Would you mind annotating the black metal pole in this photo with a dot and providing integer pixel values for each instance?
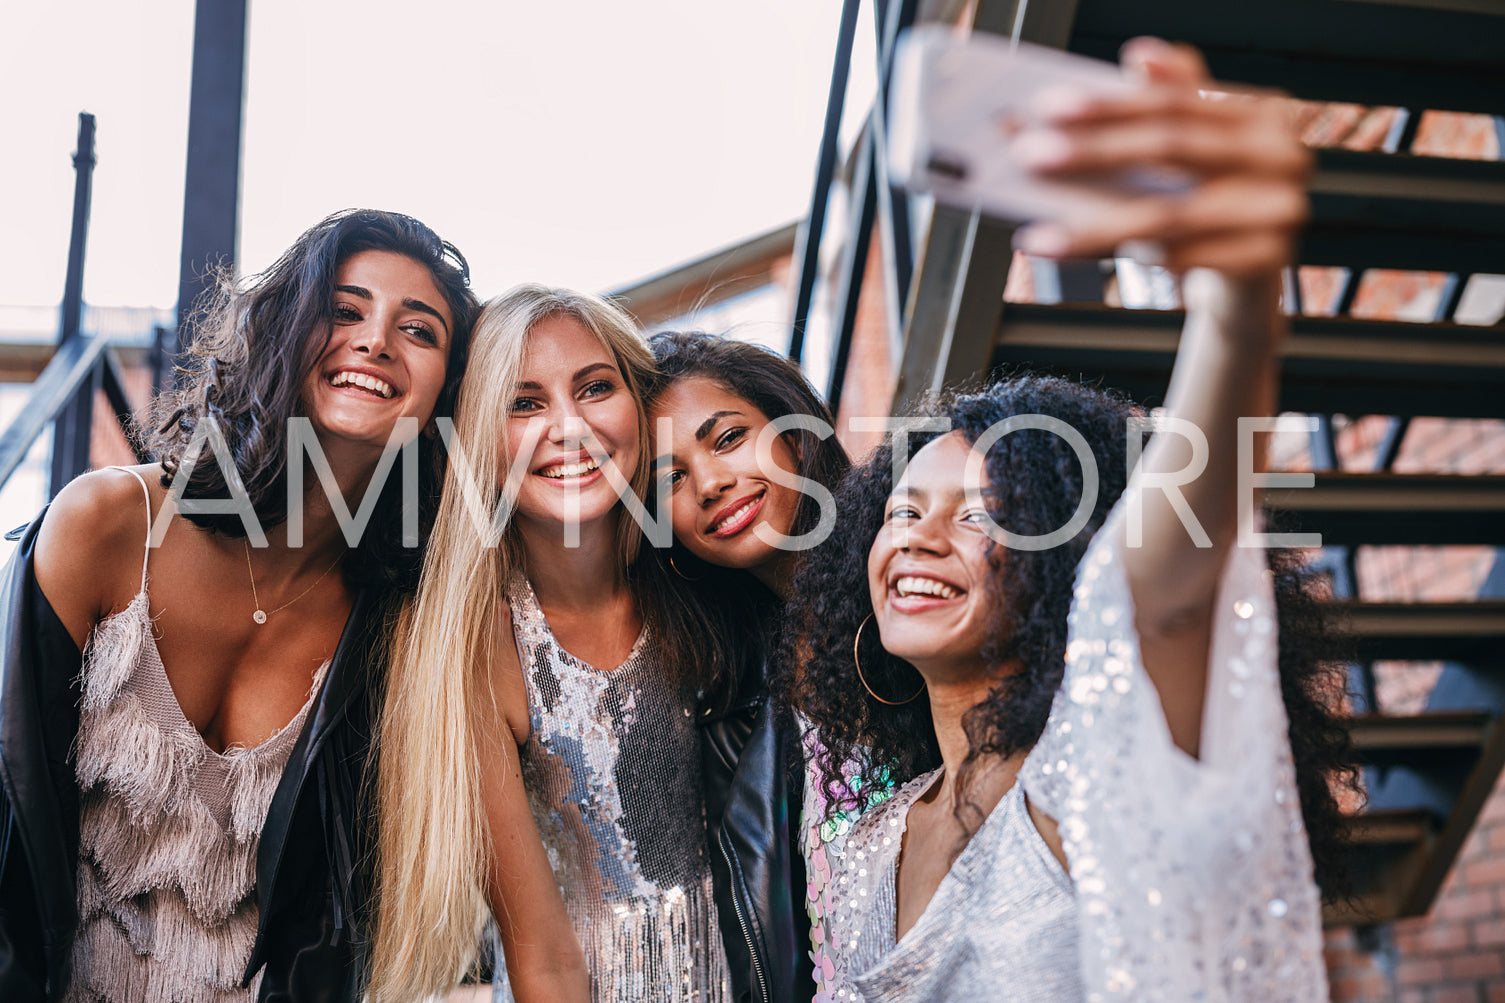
(807, 254)
(211, 185)
(83, 190)
(70, 432)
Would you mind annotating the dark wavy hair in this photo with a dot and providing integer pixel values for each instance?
(776, 387)
(252, 347)
(1036, 482)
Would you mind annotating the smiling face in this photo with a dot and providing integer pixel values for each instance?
(387, 350)
(929, 568)
(570, 403)
(720, 493)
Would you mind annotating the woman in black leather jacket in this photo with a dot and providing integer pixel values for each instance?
(748, 458)
(352, 341)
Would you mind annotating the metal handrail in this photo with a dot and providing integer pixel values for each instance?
(79, 363)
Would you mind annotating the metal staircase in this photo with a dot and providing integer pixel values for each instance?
(1428, 774)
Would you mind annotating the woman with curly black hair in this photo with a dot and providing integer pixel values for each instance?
(1087, 712)
(190, 642)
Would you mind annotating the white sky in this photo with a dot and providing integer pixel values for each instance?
(581, 142)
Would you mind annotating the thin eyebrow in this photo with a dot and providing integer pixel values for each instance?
(412, 304)
(710, 423)
(580, 375)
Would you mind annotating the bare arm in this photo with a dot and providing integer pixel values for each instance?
(1232, 234)
(545, 962)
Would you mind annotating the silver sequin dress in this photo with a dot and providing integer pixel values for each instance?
(1190, 879)
(612, 768)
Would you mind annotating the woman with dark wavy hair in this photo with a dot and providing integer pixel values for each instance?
(185, 716)
(743, 425)
(1088, 713)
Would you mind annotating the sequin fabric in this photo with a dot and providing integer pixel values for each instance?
(823, 834)
(1151, 836)
(1001, 925)
(612, 768)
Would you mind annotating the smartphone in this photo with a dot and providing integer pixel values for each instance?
(957, 100)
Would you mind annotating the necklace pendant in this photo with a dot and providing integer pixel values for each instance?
(259, 617)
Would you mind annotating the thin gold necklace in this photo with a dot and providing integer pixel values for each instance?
(260, 616)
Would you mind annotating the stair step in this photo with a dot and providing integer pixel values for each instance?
(1352, 509)
(1472, 632)
(1389, 827)
(1384, 740)
(1384, 210)
(1416, 54)
(1331, 365)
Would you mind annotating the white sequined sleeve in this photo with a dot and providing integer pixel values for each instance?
(1193, 876)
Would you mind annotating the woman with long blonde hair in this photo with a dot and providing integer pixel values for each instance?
(538, 745)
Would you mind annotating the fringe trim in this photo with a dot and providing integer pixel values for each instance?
(147, 767)
(112, 651)
(106, 966)
(188, 850)
(251, 781)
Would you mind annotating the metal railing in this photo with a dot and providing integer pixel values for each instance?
(63, 395)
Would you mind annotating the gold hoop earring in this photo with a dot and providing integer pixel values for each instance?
(675, 568)
(857, 660)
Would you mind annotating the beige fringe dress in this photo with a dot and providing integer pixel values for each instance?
(168, 829)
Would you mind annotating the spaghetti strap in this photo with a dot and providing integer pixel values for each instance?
(146, 492)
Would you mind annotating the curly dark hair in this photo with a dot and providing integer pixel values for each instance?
(747, 612)
(252, 347)
(1036, 483)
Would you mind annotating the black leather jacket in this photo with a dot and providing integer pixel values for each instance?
(753, 805)
(308, 884)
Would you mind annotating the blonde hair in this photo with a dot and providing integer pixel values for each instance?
(439, 715)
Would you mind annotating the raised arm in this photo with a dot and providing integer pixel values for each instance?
(1230, 235)
(545, 962)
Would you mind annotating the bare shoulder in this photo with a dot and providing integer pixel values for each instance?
(94, 532)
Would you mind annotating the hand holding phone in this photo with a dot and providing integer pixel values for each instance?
(957, 105)
(1097, 158)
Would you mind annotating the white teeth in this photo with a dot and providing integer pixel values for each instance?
(910, 585)
(570, 469)
(362, 380)
(734, 516)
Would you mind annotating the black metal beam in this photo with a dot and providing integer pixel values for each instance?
(211, 185)
(71, 430)
(1396, 509)
(849, 275)
(1331, 364)
(1471, 632)
(1382, 738)
(1327, 50)
(113, 384)
(72, 367)
(1378, 210)
(78, 237)
(807, 248)
(894, 227)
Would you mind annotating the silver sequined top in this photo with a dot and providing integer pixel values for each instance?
(1001, 925)
(612, 768)
(1151, 836)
